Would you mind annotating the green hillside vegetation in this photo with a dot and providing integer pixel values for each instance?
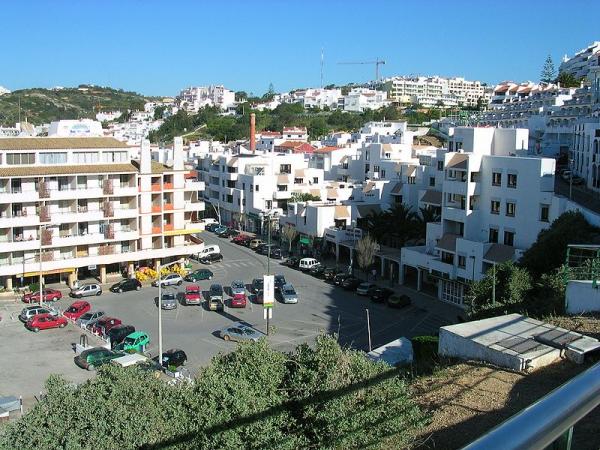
(207, 123)
(40, 106)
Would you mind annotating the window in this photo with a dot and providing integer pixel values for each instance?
(495, 207)
(450, 146)
(315, 180)
(375, 168)
(474, 177)
(298, 180)
(256, 187)
(509, 238)
(493, 236)
(510, 209)
(545, 213)
(268, 204)
(285, 168)
(53, 158)
(411, 180)
(462, 261)
(512, 180)
(243, 202)
(110, 157)
(367, 167)
(440, 165)
(20, 158)
(496, 179)
(431, 181)
(382, 174)
(282, 188)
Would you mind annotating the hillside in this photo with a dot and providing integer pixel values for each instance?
(45, 105)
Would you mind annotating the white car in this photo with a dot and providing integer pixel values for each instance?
(172, 279)
(89, 318)
(238, 287)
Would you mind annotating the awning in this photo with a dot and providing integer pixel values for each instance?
(365, 210)
(315, 192)
(369, 187)
(232, 161)
(181, 232)
(332, 193)
(300, 173)
(498, 253)
(458, 162)
(447, 242)
(46, 272)
(397, 189)
(341, 212)
(410, 171)
(305, 240)
(432, 197)
(283, 179)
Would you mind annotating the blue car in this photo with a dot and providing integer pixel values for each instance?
(220, 229)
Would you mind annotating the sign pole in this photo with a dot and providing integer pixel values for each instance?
(369, 328)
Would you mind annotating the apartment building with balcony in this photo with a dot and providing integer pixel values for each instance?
(580, 63)
(494, 204)
(83, 204)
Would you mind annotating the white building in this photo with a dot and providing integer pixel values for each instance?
(316, 98)
(579, 64)
(108, 116)
(361, 99)
(494, 204)
(3, 90)
(84, 205)
(75, 128)
(194, 98)
(431, 91)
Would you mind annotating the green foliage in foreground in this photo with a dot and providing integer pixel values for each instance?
(316, 397)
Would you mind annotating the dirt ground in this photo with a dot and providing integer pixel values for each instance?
(468, 399)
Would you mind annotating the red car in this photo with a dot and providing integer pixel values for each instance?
(238, 301)
(45, 321)
(103, 325)
(241, 238)
(193, 295)
(77, 309)
(50, 295)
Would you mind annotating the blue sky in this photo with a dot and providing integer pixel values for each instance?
(158, 47)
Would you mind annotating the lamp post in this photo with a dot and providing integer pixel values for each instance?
(571, 161)
(160, 267)
(353, 247)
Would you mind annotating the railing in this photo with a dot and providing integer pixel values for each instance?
(168, 227)
(43, 190)
(107, 187)
(167, 185)
(156, 230)
(108, 209)
(106, 250)
(109, 232)
(44, 214)
(550, 420)
(168, 206)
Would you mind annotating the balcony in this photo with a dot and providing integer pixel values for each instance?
(155, 187)
(44, 192)
(107, 187)
(44, 214)
(46, 237)
(108, 209)
(167, 186)
(106, 250)
(122, 212)
(168, 207)
(168, 227)
(109, 232)
(194, 206)
(156, 208)
(156, 230)
(192, 185)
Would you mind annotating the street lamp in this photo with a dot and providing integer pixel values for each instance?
(353, 223)
(160, 267)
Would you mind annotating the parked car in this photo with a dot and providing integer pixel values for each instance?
(219, 229)
(365, 288)
(330, 273)
(77, 309)
(566, 175)
(93, 358)
(255, 243)
(49, 295)
(118, 333)
(398, 301)
(242, 239)
(215, 297)
(257, 285)
(240, 332)
(578, 180)
(172, 279)
(86, 290)
(31, 311)
(380, 295)
(238, 301)
(212, 226)
(208, 250)
(135, 342)
(317, 270)
(193, 295)
(209, 259)
(288, 294)
(168, 301)
(351, 283)
(44, 322)
(199, 274)
(306, 264)
(88, 319)
(276, 253)
(173, 357)
(339, 278)
(291, 262)
(104, 325)
(259, 297)
(260, 248)
(128, 284)
(238, 287)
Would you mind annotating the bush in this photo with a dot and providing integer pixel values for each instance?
(425, 348)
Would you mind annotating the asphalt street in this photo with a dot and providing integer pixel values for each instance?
(321, 308)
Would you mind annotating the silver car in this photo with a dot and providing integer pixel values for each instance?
(240, 332)
(86, 290)
(30, 311)
(168, 301)
(171, 279)
(238, 287)
(364, 288)
(288, 294)
(89, 318)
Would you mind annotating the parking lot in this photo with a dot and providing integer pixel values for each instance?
(28, 358)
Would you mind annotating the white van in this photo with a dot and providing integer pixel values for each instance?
(307, 263)
(208, 250)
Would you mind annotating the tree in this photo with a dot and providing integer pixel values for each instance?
(548, 71)
(567, 80)
(289, 233)
(365, 250)
(158, 112)
(321, 396)
(298, 197)
(241, 96)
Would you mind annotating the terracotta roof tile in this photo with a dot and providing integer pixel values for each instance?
(51, 143)
(24, 171)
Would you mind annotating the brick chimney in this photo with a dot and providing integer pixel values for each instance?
(253, 132)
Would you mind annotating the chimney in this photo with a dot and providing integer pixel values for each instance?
(253, 132)
(145, 157)
(178, 153)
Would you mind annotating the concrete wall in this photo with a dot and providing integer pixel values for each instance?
(582, 297)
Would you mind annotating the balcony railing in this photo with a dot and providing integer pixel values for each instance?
(156, 230)
(168, 206)
(108, 209)
(46, 237)
(44, 214)
(109, 232)
(155, 187)
(106, 250)
(167, 185)
(107, 187)
(43, 190)
(168, 227)
(156, 208)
